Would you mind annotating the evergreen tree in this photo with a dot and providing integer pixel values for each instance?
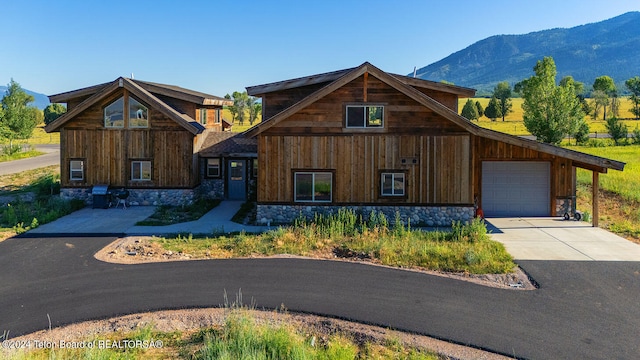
(502, 92)
(470, 111)
(493, 109)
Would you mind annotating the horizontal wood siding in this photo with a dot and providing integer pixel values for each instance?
(441, 174)
(273, 103)
(403, 115)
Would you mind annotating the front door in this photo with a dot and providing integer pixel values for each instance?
(237, 180)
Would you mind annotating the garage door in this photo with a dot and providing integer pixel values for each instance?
(515, 188)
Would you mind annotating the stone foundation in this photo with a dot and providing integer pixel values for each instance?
(418, 215)
(144, 197)
(211, 188)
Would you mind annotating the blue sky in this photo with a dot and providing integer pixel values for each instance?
(222, 46)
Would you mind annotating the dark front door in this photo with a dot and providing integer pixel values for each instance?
(237, 180)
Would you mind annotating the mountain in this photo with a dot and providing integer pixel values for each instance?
(610, 47)
(40, 100)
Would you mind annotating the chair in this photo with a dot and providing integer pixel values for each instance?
(122, 196)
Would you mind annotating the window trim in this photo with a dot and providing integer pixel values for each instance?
(141, 162)
(393, 174)
(207, 167)
(313, 172)
(216, 116)
(71, 170)
(365, 120)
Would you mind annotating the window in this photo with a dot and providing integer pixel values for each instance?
(392, 184)
(313, 186)
(141, 170)
(138, 114)
(114, 114)
(217, 117)
(76, 170)
(203, 116)
(213, 167)
(361, 116)
(236, 170)
(255, 168)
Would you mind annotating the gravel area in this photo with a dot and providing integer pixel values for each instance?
(193, 319)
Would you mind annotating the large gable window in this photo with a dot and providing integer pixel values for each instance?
(114, 114)
(138, 114)
(313, 186)
(364, 116)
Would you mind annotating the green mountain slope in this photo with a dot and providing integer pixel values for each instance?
(610, 47)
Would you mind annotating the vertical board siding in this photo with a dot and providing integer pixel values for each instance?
(441, 176)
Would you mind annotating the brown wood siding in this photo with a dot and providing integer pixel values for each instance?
(446, 99)
(403, 115)
(273, 103)
(441, 174)
(561, 185)
(108, 152)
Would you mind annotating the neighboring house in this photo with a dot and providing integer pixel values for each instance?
(145, 137)
(369, 140)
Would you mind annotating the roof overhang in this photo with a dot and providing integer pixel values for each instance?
(182, 119)
(401, 84)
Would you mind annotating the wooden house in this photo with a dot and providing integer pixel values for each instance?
(142, 136)
(370, 140)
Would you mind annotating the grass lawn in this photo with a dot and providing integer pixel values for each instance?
(20, 215)
(619, 197)
(20, 155)
(167, 215)
(466, 248)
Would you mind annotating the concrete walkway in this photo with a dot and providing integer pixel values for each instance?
(556, 239)
(122, 221)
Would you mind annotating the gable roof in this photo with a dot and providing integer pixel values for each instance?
(173, 91)
(228, 144)
(104, 90)
(328, 77)
(587, 161)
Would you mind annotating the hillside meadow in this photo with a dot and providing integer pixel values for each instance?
(513, 121)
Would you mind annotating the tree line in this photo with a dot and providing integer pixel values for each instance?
(552, 112)
(244, 107)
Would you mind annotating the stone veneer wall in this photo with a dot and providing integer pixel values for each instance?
(419, 215)
(143, 197)
(211, 188)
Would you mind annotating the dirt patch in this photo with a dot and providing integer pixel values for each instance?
(141, 249)
(194, 319)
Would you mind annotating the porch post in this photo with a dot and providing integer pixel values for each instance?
(594, 197)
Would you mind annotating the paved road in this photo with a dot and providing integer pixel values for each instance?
(52, 157)
(586, 310)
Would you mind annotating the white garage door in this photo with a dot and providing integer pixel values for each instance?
(515, 188)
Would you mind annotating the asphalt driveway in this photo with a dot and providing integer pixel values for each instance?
(583, 309)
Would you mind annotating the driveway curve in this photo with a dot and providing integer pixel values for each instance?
(582, 309)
